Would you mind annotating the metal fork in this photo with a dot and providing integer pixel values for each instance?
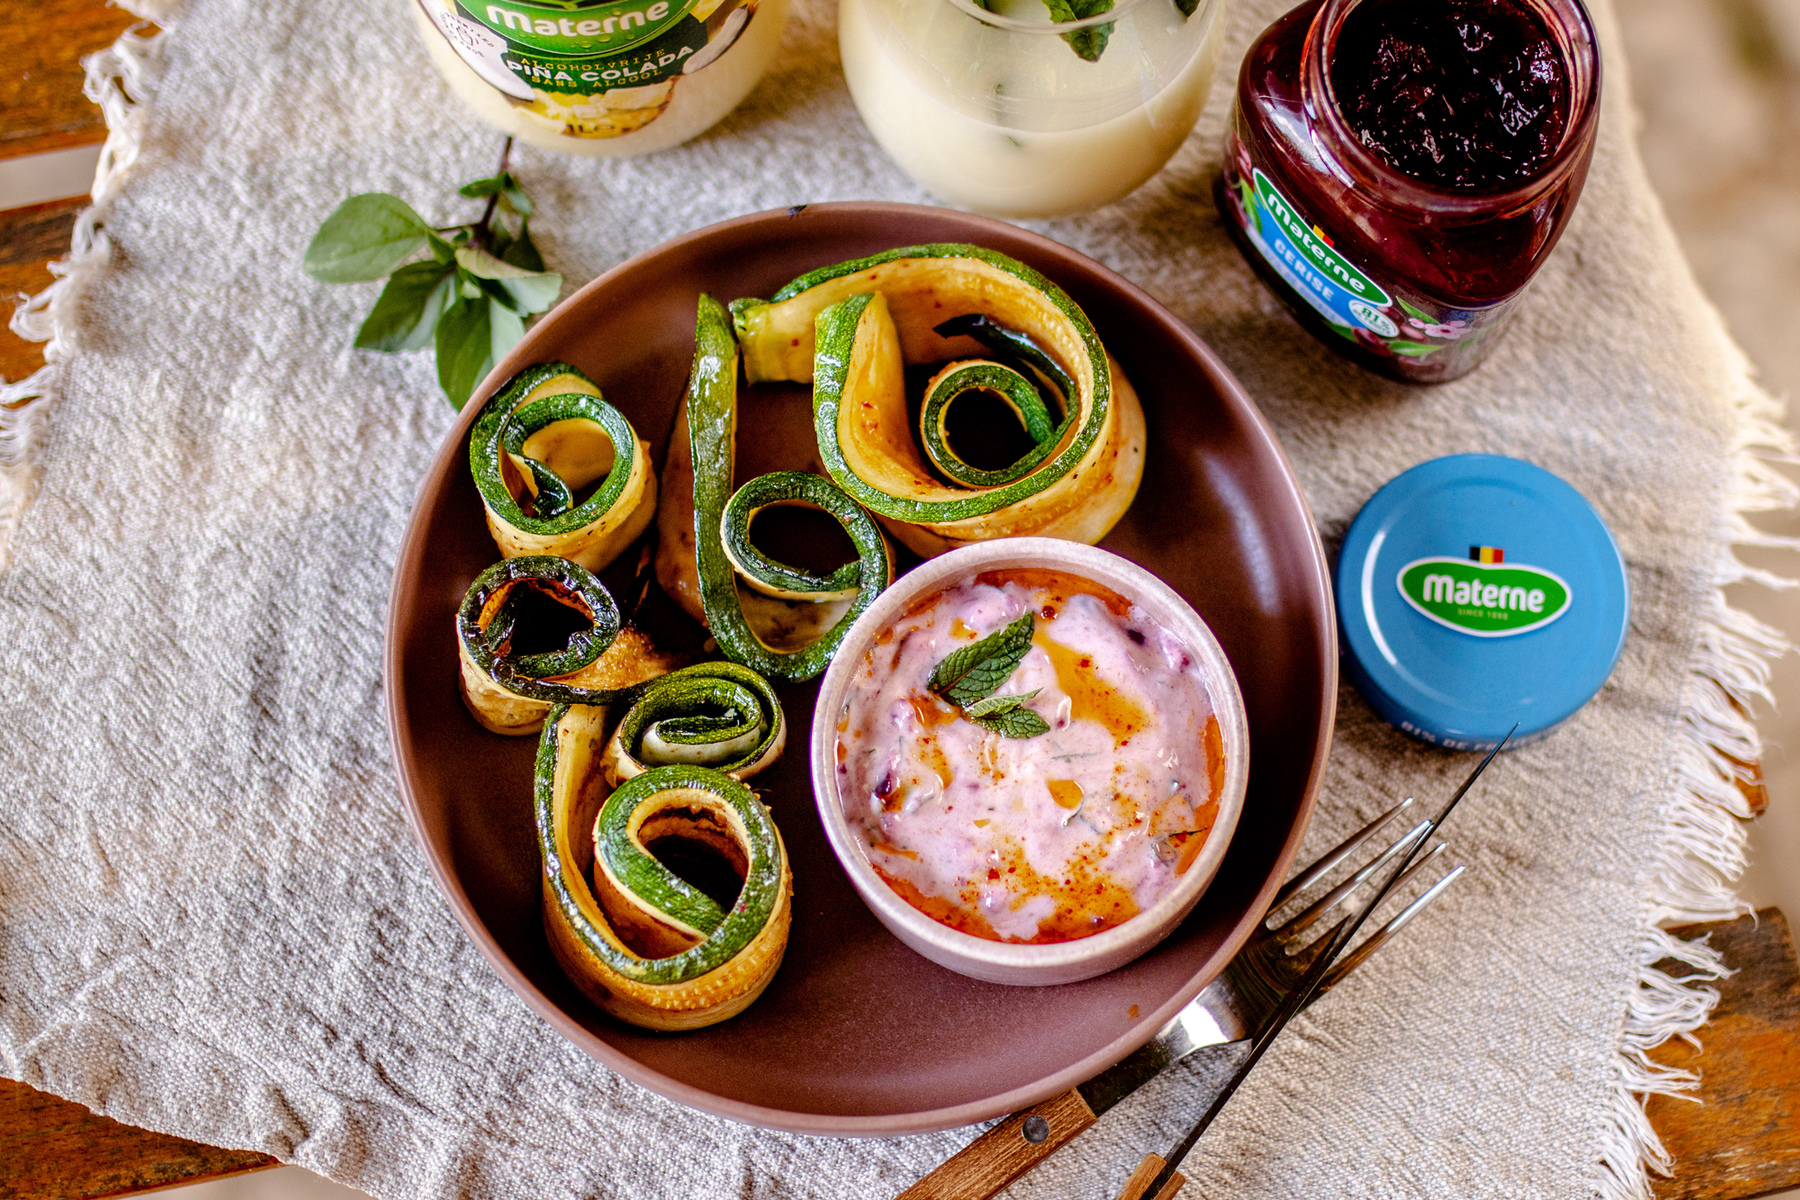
(1230, 1009)
(1255, 982)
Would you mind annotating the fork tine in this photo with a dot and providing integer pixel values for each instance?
(1335, 856)
(1380, 937)
(1344, 890)
(1301, 957)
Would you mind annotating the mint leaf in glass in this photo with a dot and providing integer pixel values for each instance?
(1088, 43)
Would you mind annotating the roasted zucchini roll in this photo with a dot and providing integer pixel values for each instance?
(718, 715)
(539, 443)
(782, 622)
(853, 328)
(642, 942)
(536, 631)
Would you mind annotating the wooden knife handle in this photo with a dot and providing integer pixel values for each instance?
(1006, 1151)
(1146, 1171)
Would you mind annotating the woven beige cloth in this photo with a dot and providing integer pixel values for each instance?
(213, 918)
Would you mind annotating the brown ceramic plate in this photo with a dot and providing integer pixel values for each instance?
(859, 1035)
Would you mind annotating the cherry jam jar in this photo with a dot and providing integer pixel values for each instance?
(1397, 170)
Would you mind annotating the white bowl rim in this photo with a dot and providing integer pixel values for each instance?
(1136, 583)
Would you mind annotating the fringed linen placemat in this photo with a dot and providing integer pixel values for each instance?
(214, 921)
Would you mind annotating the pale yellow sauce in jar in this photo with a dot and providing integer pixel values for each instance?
(646, 94)
(1043, 838)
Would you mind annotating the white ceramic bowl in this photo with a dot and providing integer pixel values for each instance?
(1006, 962)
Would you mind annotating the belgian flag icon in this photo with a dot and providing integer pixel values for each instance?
(1486, 554)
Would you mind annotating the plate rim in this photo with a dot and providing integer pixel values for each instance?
(462, 907)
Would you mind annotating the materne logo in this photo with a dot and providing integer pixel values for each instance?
(585, 31)
(1335, 266)
(1481, 599)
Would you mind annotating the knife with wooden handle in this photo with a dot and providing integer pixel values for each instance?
(992, 1161)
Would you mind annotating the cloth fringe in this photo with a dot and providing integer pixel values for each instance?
(1703, 844)
(118, 79)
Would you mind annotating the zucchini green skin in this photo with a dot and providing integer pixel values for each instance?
(847, 328)
(777, 333)
(716, 704)
(1012, 345)
(743, 311)
(1019, 393)
(725, 934)
(535, 398)
(761, 571)
(654, 885)
(485, 627)
(712, 430)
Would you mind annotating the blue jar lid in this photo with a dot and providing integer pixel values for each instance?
(1476, 591)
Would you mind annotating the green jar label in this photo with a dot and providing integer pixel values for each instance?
(588, 68)
(1314, 273)
(1316, 251)
(577, 30)
(1486, 600)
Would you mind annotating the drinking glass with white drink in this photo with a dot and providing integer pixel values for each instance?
(1010, 112)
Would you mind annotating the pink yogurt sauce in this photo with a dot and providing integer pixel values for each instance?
(1039, 839)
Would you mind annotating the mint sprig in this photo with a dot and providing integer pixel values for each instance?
(1089, 43)
(969, 677)
(1008, 716)
(994, 705)
(976, 671)
(1014, 723)
(468, 300)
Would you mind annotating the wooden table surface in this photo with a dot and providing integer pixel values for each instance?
(1741, 1141)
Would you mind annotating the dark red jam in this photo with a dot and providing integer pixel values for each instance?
(1458, 93)
(1397, 170)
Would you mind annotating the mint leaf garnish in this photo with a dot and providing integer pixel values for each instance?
(1008, 716)
(1088, 43)
(997, 704)
(1013, 722)
(976, 672)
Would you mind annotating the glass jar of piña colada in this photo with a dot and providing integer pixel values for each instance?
(1010, 111)
(602, 77)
